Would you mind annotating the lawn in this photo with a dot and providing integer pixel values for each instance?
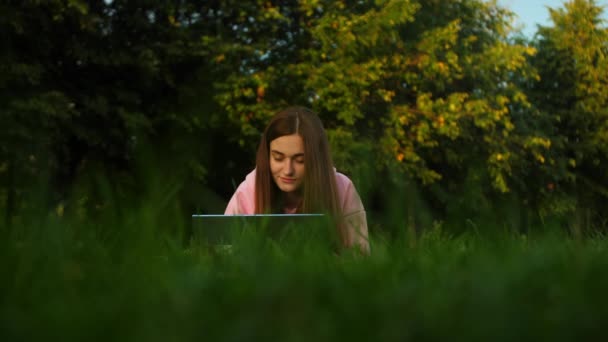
(74, 281)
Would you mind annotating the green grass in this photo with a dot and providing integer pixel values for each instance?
(67, 281)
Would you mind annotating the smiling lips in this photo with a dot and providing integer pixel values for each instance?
(288, 180)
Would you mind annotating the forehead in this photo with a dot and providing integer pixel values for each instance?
(288, 144)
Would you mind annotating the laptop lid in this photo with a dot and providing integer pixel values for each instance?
(225, 229)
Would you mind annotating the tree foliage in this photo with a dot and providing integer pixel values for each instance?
(441, 94)
(572, 94)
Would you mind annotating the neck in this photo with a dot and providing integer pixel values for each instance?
(292, 199)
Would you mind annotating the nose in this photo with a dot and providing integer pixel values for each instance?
(289, 169)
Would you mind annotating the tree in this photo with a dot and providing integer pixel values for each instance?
(436, 87)
(572, 92)
(86, 85)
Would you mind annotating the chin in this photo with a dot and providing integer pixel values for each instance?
(288, 189)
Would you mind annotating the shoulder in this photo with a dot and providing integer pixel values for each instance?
(248, 184)
(243, 200)
(250, 178)
(349, 197)
(346, 188)
(342, 181)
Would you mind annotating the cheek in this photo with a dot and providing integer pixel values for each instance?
(301, 169)
(274, 167)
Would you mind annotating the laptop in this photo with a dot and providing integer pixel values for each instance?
(226, 229)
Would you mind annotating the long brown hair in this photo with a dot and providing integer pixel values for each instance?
(320, 191)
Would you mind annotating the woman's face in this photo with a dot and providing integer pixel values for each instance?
(287, 162)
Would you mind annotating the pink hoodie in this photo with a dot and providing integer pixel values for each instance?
(243, 202)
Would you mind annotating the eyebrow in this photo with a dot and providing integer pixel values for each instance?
(283, 154)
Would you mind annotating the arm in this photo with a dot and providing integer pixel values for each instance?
(357, 233)
(233, 205)
(355, 219)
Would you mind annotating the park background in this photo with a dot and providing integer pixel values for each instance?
(120, 119)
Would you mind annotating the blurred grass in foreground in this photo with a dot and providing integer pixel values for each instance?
(68, 281)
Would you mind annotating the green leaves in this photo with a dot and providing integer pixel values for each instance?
(572, 94)
(436, 92)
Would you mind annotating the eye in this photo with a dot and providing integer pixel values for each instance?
(300, 160)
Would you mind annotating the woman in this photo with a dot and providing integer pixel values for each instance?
(295, 174)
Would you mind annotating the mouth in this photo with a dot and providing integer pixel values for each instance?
(288, 180)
